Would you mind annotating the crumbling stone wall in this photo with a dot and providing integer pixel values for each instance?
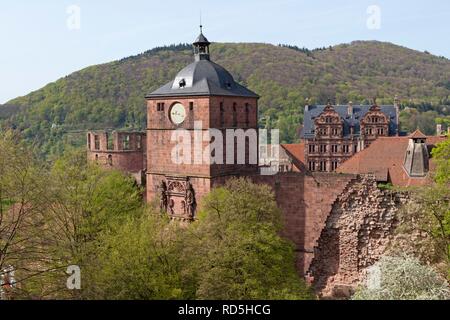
(356, 234)
(306, 201)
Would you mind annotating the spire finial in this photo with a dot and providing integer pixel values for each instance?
(201, 24)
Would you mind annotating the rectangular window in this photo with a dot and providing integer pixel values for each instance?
(323, 166)
(346, 148)
(312, 166)
(334, 148)
(97, 142)
(312, 148)
(323, 148)
(110, 141)
(126, 142)
(191, 106)
(139, 142)
(334, 165)
(323, 131)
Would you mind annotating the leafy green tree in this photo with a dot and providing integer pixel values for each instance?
(441, 155)
(83, 201)
(136, 260)
(402, 278)
(425, 226)
(21, 198)
(234, 251)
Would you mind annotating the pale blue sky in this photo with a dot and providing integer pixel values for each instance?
(37, 47)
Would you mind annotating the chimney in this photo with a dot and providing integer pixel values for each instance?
(439, 129)
(350, 109)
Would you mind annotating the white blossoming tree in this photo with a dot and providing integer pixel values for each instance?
(402, 278)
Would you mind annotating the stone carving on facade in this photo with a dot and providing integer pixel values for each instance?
(163, 198)
(176, 187)
(191, 203)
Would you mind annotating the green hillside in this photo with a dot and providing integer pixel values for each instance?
(112, 95)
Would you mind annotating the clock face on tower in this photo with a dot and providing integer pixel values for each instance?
(177, 113)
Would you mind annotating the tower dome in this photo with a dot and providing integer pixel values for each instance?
(203, 77)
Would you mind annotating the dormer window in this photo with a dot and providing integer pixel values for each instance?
(182, 83)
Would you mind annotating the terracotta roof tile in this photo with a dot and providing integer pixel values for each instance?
(384, 158)
(297, 152)
(418, 135)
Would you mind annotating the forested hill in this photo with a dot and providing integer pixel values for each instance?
(112, 95)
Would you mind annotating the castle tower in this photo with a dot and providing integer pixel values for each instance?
(203, 96)
(417, 158)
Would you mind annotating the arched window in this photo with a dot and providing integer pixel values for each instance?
(222, 115)
(247, 115)
(234, 114)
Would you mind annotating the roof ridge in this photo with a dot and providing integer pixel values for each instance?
(417, 135)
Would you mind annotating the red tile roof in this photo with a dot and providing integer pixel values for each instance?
(384, 158)
(418, 135)
(297, 152)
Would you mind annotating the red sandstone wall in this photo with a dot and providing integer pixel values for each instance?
(357, 232)
(127, 161)
(208, 111)
(202, 187)
(132, 160)
(306, 201)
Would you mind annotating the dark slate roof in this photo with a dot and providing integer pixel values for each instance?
(200, 78)
(359, 112)
(201, 39)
